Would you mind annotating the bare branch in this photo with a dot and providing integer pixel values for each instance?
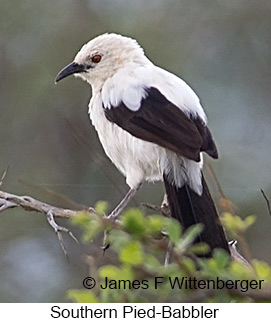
(58, 228)
(164, 208)
(28, 203)
(6, 205)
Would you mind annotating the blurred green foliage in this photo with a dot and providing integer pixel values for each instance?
(236, 225)
(140, 248)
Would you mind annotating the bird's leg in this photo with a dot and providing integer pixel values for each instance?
(123, 203)
(117, 211)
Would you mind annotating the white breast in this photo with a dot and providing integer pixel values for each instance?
(138, 160)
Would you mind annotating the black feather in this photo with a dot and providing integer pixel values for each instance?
(161, 122)
(189, 208)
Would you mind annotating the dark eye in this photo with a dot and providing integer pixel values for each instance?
(96, 58)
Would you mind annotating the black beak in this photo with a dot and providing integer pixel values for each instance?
(69, 70)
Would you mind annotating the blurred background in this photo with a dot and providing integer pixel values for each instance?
(220, 47)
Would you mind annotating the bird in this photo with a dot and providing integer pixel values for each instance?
(152, 126)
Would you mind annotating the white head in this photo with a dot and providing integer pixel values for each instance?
(103, 56)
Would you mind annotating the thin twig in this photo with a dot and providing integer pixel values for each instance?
(267, 202)
(4, 175)
(152, 207)
(58, 229)
(164, 208)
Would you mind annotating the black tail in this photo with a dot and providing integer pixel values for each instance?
(189, 208)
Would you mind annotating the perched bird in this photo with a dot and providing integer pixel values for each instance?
(152, 126)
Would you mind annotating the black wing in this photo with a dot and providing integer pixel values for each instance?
(161, 122)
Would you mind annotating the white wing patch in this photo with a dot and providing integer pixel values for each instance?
(124, 87)
(133, 96)
(129, 84)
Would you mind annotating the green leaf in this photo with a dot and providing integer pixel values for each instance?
(263, 270)
(241, 271)
(132, 253)
(201, 248)
(101, 207)
(82, 219)
(235, 224)
(155, 224)
(189, 237)
(189, 265)
(151, 263)
(109, 271)
(222, 258)
(82, 296)
(173, 230)
(134, 221)
(90, 223)
(113, 272)
(250, 220)
(118, 239)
